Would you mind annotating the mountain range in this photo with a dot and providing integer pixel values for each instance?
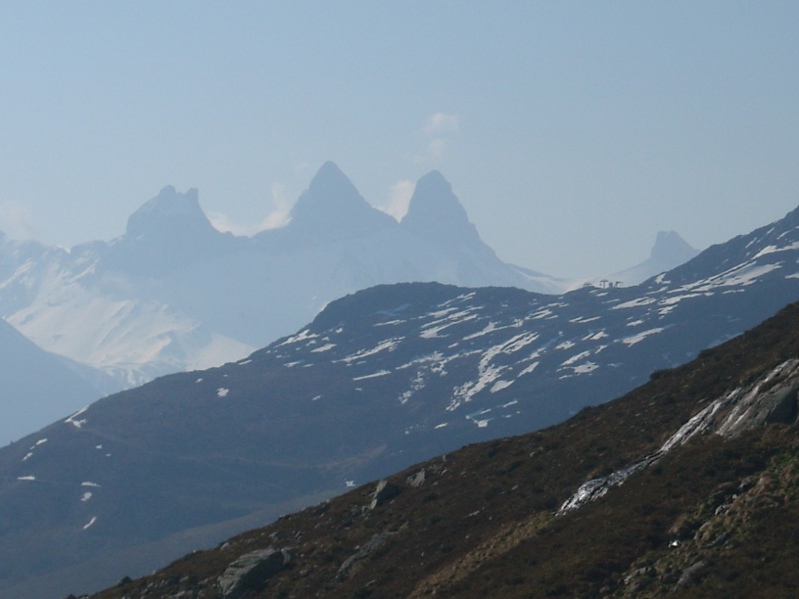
(685, 487)
(380, 379)
(174, 294)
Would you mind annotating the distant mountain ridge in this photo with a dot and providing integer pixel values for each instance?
(707, 454)
(670, 251)
(173, 293)
(381, 379)
(707, 509)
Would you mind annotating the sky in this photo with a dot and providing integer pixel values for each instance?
(572, 132)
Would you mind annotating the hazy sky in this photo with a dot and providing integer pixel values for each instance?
(571, 131)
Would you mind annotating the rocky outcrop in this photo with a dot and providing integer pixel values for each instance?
(363, 552)
(771, 399)
(251, 571)
(385, 491)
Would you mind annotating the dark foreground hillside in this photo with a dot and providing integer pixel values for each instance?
(708, 454)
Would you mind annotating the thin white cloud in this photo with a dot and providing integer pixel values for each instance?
(283, 204)
(399, 198)
(278, 217)
(222, 222)
(441, 123)
(437, 131)
(15, 221)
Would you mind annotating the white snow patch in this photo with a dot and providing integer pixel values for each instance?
(387, 345)
(442, 425)
(89, 484)
(303, 335)
(500, 385)
(40, 442)
(772, 249)
(222, 392)
(595, 336)
(316, 398)
(583, 319)
(630, 341)
(90, 522)
(640, 301)
(199, 380)
(432, 333)
(576, 357)
(565, 345)
(529, 369)
(86, 496)
(29, 477)
(28, 456)
(678, 298)
(743, 274)
(72, 419)
(442, 313)
(349, 483)
(489, 328)
(541, 314)
(388, 323)
(585, 368)
(635, 323)
(325, 347)
(372, 376)
(243, 362)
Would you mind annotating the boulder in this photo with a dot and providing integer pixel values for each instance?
(251, 571)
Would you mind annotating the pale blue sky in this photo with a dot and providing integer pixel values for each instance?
(571, 131)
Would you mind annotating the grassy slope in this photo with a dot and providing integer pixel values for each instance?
(482, 523)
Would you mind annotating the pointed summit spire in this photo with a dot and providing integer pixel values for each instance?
(435, 212)
(168, 232)
(331, 207)
(167, 213)
(670, 247)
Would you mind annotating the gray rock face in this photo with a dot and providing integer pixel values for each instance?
(251, 571)
(368, 549)
(384, 492)
(771, 399)
(417, 480)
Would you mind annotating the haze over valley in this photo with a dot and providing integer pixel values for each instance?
(370, 301)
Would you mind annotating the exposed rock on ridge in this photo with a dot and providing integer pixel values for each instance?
(173, 293)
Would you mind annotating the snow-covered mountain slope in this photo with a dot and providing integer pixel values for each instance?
(698, 466)
(71, 304)
(36, 386)
(173, 293)
(380, 379)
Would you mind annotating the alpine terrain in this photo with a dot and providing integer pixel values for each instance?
(174, 294)
(381, 379)
(686, 487)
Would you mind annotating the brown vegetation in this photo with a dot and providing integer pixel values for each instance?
(714, 518)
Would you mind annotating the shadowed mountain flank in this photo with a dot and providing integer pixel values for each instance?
(705, 504)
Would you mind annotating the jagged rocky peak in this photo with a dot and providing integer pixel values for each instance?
(670, 247)
(332, 203)
(435, 211)
(167, 212)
